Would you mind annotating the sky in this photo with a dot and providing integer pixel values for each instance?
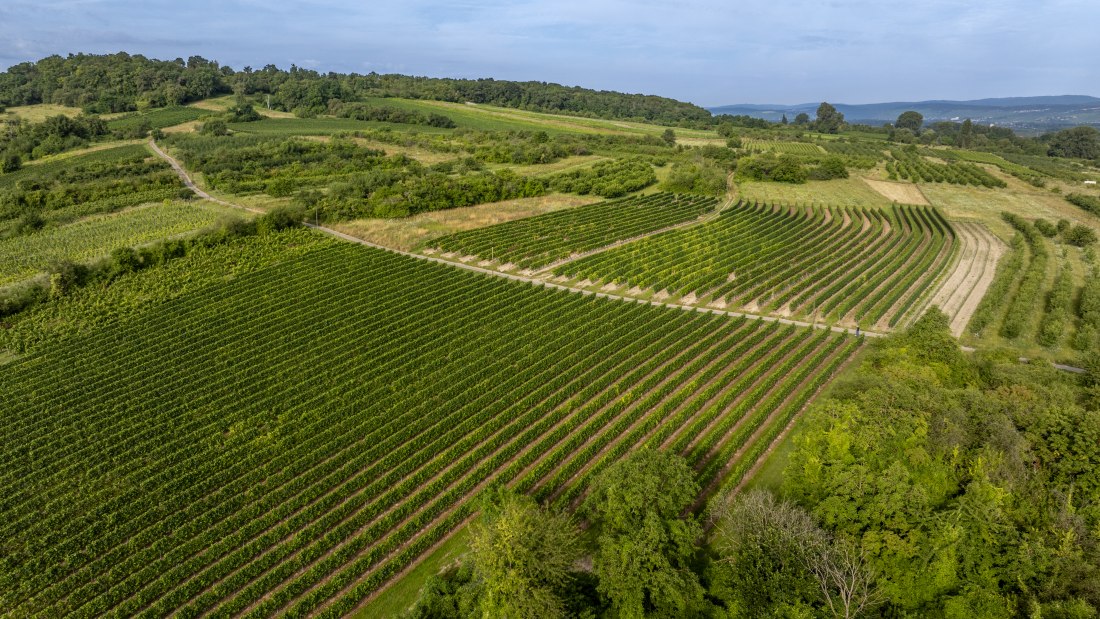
(708, 52)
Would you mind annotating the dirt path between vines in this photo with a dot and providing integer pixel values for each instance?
(542, 281)
(963, 290)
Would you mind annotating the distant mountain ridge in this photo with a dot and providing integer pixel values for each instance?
(1028, 114)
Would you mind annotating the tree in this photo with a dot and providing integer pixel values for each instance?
(802, 118)
(1078, 142)
(669, 136)
(829, 120)
(522, 556)
(776, 558)
(910, 120)
(11, 163)
(1080, 235)
(966, 134)
(216, 127)
(783, 120)
(645, 548)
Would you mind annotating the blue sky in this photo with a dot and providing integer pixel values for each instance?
(704, 51)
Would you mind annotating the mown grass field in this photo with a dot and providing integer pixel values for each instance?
(416, 232)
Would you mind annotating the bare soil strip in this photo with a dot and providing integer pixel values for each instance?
(994, 249)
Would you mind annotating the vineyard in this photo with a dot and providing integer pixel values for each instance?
(910, 165)
(780, 146)
(539, 241)
(301, 433)
(1024, 305)
(24, 255)
(159, 118)
(65, 188)
(859, 265)
(854, 149)
(1023, 173)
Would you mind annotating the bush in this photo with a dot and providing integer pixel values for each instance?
(216, 127)
(768, 167)
(279, 218)
(829, 168)
(1046, 228)
(1080, 235)
(11, 163)
(702, 178)
(1088, 203)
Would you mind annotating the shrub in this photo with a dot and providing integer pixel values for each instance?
(1080, 235)
(1046, 228)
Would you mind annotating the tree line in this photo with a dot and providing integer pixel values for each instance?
(123, 82)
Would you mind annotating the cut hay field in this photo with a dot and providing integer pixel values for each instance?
(416, 232)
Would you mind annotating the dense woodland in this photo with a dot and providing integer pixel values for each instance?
(123, 82)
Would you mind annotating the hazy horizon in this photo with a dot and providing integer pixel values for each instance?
(846, 51)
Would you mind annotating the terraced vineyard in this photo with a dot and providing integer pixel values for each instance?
(862, 265)
(302, 433)
(539, 241)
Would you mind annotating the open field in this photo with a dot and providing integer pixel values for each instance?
(38, 113)
(902, 193)
(416, 232)
(848, 192)
(576, 162)
(986, 205)
(273, 451)
(852, 266)
(222, 104)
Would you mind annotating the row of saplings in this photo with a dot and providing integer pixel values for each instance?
(641, 556)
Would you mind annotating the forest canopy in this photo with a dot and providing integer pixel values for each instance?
(123, 82)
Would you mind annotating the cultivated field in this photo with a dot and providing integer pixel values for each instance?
(540, 241)
(301, 433)
(854, 266)
(25, 255)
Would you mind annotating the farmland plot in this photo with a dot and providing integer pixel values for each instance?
(302, 432)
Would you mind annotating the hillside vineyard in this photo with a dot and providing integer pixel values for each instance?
(301, 433)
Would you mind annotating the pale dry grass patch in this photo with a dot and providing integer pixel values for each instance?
(414, 232)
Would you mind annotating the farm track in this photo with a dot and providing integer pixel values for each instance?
(341, 522)
(541, 281)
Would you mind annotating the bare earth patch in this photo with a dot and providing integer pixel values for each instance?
(904, 193)
(964, 288)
